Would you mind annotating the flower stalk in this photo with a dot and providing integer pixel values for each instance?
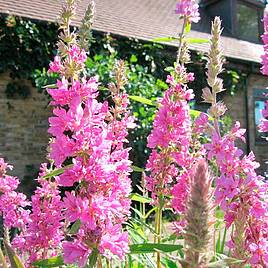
(85, 32)
(240, 192)
(199, 208)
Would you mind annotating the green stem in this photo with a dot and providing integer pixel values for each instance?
(159, 229)
(6, 235)
(143, 204)
(3, 262)
(99, 262)
(181, 36)
(108, 263)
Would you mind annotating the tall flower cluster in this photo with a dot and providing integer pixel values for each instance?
(241, 193)
(264, 68)
(41, 238)
(91, 136)
(170, 140)
(188, 9)
(169, 164)
(12, 203)
(264, 123)
(199, 217)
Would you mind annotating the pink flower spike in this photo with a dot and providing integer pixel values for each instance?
(188, 9)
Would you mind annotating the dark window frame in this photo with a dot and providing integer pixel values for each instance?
(258, 95)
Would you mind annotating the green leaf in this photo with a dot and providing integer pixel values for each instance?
(75, 227)
(165, 39)
(151, 248)
(3, 262)
(161, 84)
(137, 169)
(57, 172)
(219, 214)
(138, 213)
(50, 86)
(142, 100)
(15, 261)
(218, 243)
(51, 262)
(139, 198)
(169, 69)
(223, 240)
(150, 212)
(197, 40)
(133, 58)
(187, 28)
(169, 263)
(135, 235)
(141, 223)
(194, 113)
(226, 262)
(93, 258)
(172, 237)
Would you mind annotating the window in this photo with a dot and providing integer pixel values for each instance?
(248, 22)
(259, 105)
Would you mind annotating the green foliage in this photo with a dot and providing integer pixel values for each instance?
(142, 100)
(189, 40)
(93, 258)
(26, 45)
(51, 262)
(56, 172)
(151, 248)
(13, 258)
(42, 79)
(3, 259)
(139, 198)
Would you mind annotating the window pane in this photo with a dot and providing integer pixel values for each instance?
(259, 106)
(247, 23)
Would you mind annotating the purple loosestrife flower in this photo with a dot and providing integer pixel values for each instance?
(241, 193)
(264, 57)
(243, 196)
(263, 127)
(188, 9)
(12, 203)
(92, 135)
(43, 233)
(170, 141)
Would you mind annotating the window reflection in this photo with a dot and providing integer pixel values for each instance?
(247, 22)
(259, 106)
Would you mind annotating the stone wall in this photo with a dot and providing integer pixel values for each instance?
(23, 128)
(237, 110)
